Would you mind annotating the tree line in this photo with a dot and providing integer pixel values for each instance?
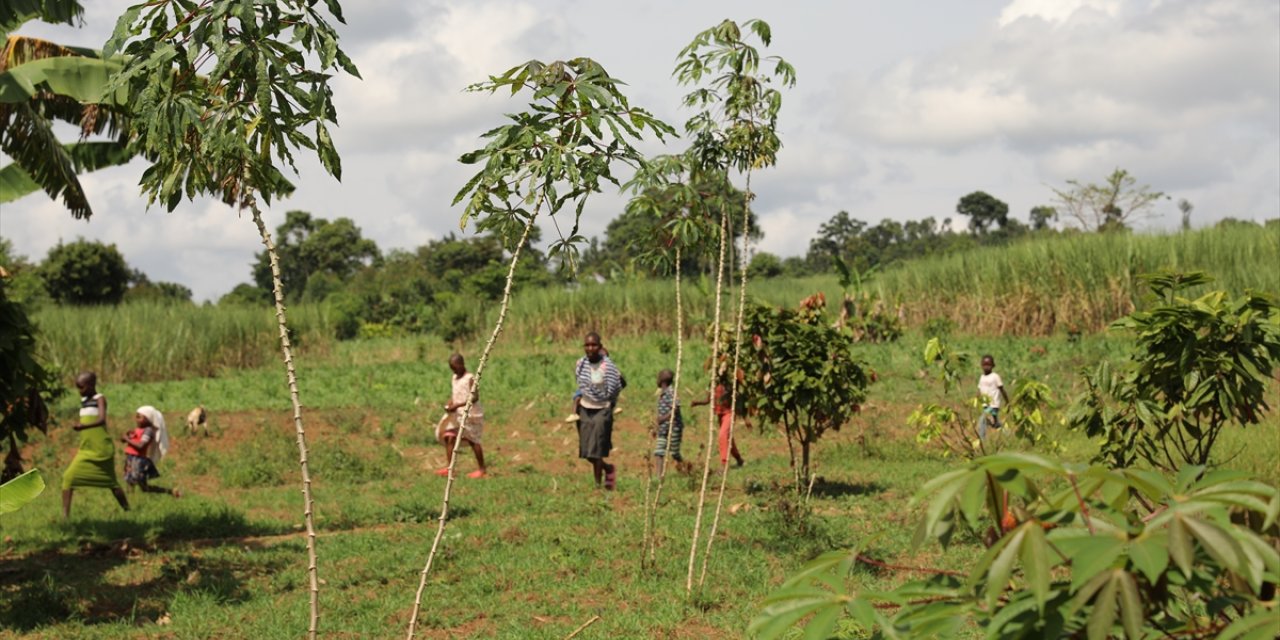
(433, 287)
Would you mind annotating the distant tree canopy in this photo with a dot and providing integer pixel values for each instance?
(984, 211)
(438, 286)
(1041, 216)
(863, 247)
(142, 289)
(630, 237)
(85, 272)
(1111, 206)
(310, 246)
(245, 294)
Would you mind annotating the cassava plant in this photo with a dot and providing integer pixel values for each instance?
(686, 204)
(663, 192)
(1200, 366)
(1074, 560)
(556, 153)
(220, 96)
(734, 129)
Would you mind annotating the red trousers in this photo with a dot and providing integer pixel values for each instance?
(727, 444)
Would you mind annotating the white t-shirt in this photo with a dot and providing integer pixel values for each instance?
(462, 391)
(989, 387)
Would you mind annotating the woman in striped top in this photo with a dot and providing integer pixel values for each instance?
(599, 383)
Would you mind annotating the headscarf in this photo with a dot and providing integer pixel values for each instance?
(156, 419)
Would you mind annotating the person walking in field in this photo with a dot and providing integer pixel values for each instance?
(599, 382)
(146, 443)
(670, 427)
(451, 425)
(94, 464)
(724, 410)
(991, 388)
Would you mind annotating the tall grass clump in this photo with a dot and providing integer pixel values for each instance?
(1076, 282)
(143, 342)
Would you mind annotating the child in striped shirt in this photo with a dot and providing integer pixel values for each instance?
(670, 426)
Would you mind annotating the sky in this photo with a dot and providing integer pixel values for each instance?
(901, 108)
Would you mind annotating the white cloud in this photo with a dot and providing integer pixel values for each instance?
(897, 115)
(1031, 84)
(1055, 11)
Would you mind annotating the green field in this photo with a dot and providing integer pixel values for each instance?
(534, 552)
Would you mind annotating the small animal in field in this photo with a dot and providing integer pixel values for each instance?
(196, 419)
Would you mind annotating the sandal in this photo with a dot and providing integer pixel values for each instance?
(611, 477)
(478, 473)
(443, 472)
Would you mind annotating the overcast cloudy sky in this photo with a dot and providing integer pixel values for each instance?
(902, 107)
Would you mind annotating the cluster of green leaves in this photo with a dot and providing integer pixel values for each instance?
(26, 386)
(220, 91)
(736, 123)
(676, 208)
(862, 310)
(42, 83)
(1079, 560)
(1199, 366)
(953, 425)
(799, 372)
(557, 153)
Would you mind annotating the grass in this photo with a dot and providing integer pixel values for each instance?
(1078, 281)
(150, 341)
(1038, 287)
(534, 551)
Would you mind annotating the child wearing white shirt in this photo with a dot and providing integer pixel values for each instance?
(991, 388)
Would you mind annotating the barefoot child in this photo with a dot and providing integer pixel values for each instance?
(668, 432)
(94, 464)
(150, 436)
(991, 388)
(462, 385)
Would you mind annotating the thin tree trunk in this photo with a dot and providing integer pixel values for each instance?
(277, 289)
(651, 525)
(466, 413)
(711, 415)
(733, 385)
(804, 454)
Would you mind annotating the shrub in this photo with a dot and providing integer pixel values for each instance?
(1200, 366)
(1076, 556)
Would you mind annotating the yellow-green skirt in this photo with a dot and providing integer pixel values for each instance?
(95, 462)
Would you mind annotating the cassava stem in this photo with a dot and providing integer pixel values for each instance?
(466, 413)
(733, 385)
(652, 543)
(277, 289)
(711, 415)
